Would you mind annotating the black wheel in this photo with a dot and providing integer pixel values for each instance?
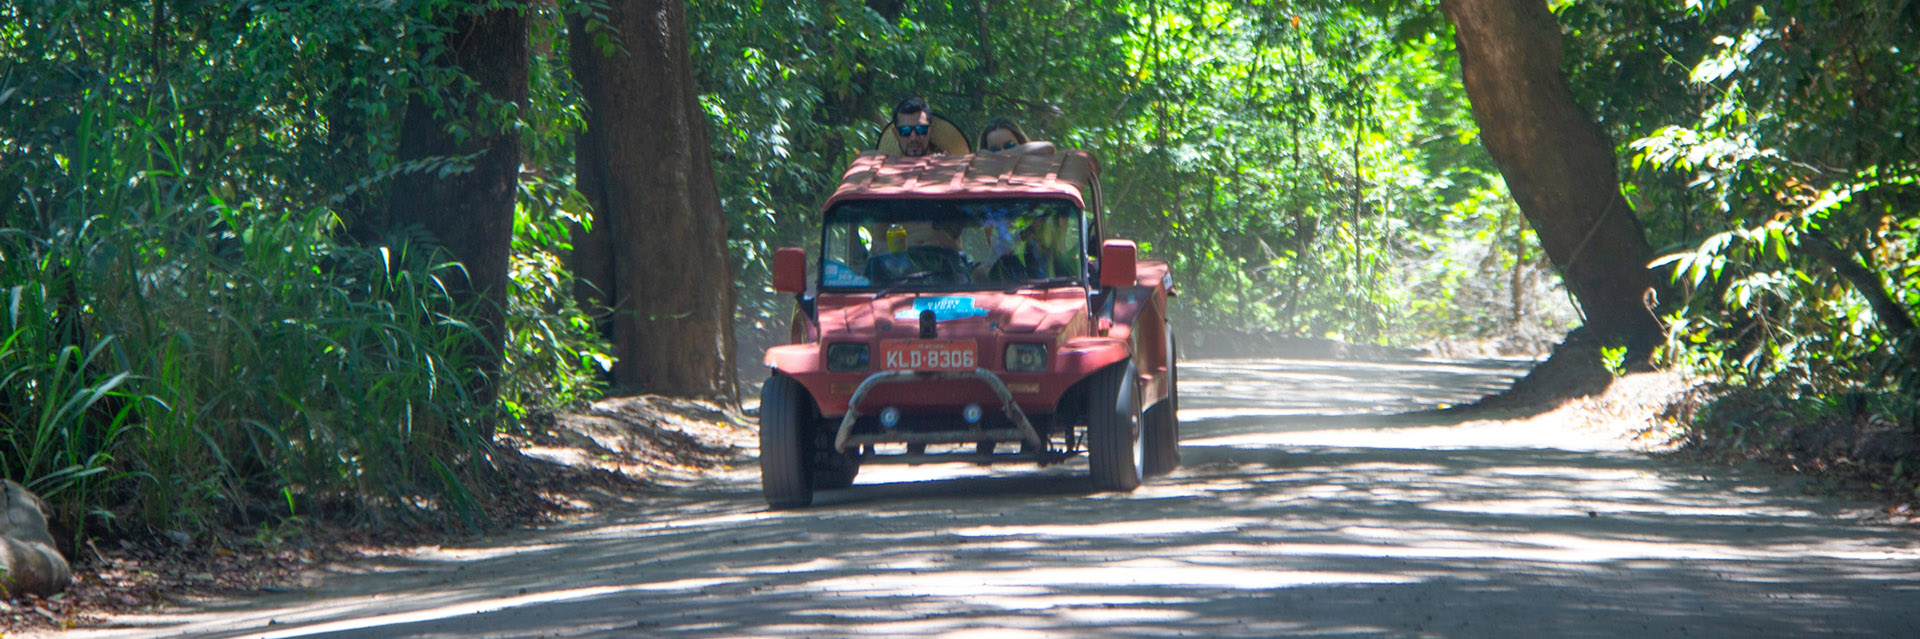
(830, 469)
(1113, 430)
(785, 412)
(1163, 421)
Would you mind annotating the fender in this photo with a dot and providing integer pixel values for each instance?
(1084, 356)
(794, 359)
(1148, 342)
(1126, 397)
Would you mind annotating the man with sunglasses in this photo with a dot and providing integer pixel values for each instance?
(913, 121)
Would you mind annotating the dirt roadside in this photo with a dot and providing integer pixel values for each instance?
(617, 451)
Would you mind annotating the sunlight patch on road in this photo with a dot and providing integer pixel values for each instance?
(888, 474)
(983, 587)
(822, 564)
(1472, 435)
(458, 555)
(932, 624)
(1120, 529)
(1190, 415)
(1615, 505)
(1104, 616)
(1381, 542)
(1101, 600)
(487, 605)
(725, 521)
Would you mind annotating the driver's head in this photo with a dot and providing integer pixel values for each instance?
(941, 234)
(913, 122)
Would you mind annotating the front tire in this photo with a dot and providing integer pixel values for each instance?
(1114, 447)
(1163, 422)
(831, 469)
(785, 412)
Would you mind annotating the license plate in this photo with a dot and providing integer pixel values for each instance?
(929, 354)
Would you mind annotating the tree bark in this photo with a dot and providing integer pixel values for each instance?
(657, 255)
(1893, 316)
(1558, 163)
(470, 214)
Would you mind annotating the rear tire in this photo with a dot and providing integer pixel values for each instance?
(1163, 422)
(1114, 446)
(785, 413)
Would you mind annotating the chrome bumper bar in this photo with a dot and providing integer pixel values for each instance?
(1022, 427)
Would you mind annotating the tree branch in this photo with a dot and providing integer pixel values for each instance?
(1891, 315)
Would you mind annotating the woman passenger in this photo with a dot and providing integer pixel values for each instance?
(1001, 135)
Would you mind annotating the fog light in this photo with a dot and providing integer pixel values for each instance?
(971, 413)
(890, 417)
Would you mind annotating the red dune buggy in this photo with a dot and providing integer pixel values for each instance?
(969, 308)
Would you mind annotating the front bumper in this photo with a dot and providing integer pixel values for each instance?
(1022, 428)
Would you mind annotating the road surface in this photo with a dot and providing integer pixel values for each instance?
(1304, 509)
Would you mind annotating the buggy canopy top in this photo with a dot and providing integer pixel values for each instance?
(1041, 172)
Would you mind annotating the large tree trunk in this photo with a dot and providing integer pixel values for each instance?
(657, 254)
(470, 214)
(1558, 163)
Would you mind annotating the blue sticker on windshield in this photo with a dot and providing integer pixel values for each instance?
(839, 275)
(944, 308)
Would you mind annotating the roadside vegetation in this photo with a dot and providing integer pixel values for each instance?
(1771, 154)
(214, 313)
(192, 335)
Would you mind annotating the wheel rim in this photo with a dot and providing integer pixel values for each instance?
(1137, 426)
(1139, 446)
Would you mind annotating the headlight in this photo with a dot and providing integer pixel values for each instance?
(847, 357)
(1026, 357)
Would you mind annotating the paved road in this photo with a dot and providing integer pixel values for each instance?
(1302, 511)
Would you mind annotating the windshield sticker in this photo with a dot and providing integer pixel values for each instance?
(839, 275)
(944, 308)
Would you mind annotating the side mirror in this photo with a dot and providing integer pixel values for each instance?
(1117, 263)
(790, 270)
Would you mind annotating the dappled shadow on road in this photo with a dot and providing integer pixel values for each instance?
(1253, 538)
(1259, 388)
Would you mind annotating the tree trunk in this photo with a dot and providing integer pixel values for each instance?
(1891, 314)
(1558, 163)
(470, 214)
(657, 253)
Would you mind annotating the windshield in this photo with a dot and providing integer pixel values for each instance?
(952, 244)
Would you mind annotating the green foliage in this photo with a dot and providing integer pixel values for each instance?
(1612, 357)
(1771, 149)
(54, 420)
(555, 356)
(208, 318)
(1307, 167)
(1774, 130)
(197, 329)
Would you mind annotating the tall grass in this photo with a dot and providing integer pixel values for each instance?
(57, 431)
(181, 350)
(259, 369)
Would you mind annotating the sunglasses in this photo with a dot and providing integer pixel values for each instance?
(1002, 147)
(917, 129)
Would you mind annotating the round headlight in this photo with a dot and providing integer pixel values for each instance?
(1026, 357)
(847, 357)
